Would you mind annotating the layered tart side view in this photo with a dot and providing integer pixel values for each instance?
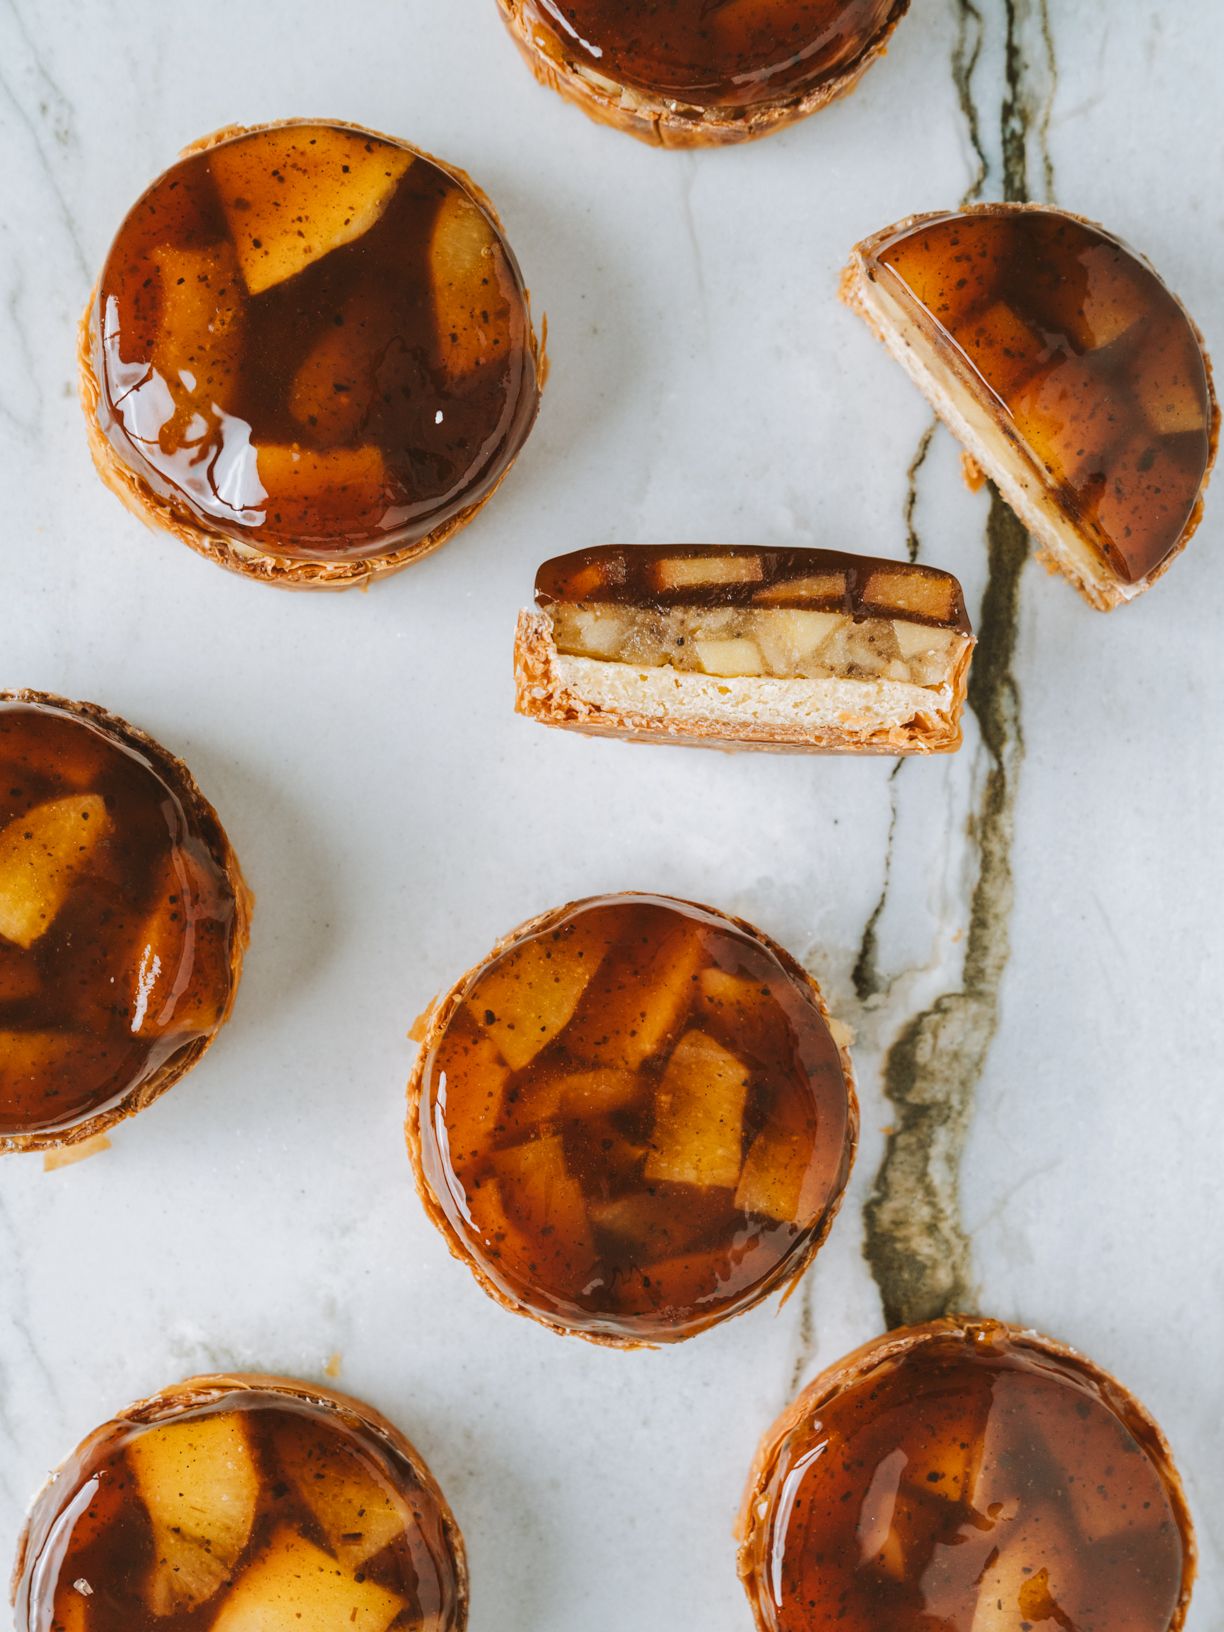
(1068, 370)
(740, 647)
(123, 921)
(970, 1476)
(241, 1502)
(309, 354)
(696, 73)
(632, 1120)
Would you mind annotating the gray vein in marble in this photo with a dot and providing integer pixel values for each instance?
(916, 1243)
(868, 982)
(53, 110)
(913, 543)
(688, 180)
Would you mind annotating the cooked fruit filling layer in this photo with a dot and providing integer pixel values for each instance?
(1078, 354)
(314, 342)
(975, 1485)
(256, 1511)
(636, 1120)
(116, 918)
(729, 53)
(793, 614)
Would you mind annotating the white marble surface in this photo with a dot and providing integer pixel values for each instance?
(394, 816)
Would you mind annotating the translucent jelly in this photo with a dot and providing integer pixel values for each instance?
(633, 1120)
(234, 1507)
(969, 1478)
(716, 53)
(314, 342)
(1090, 368)
(121, 922)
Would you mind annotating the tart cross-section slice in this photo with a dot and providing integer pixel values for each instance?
(739, 647)
(309, 354)
(691, 73)
(633, 1119)
(1073, 376)
(237, 1503)
(123, 921)
(971, 1477)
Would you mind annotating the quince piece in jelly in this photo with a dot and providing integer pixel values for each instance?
(292, 195)
(698, 1131)
(1031, 1583)
(794, 636)
(529, 995)
(638, 1000)
(357, 1510)
(541, 1193)
(41, 855)
(465, 269)
(183, 956)
(200, 1485)
(198, 350)
(780, 1178)
(707, 571)
(333, 390)
(294, 1586)
(1169, 381)
(729, 657)
(309, 490)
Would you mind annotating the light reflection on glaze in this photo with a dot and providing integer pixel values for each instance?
(708, 54)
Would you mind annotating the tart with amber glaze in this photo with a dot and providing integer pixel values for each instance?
(309, 355)
(242, 1501)
(123, 921)
(697, 73)
(633, 1120)
(1072, 375)
(969, 1476)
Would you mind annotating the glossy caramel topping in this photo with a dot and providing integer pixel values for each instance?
(254, 1510)
(1094, 364)
(636, 1121)
(714, 575)
(315, 342)
(716, 53)
(973, 1483)
(116, 917)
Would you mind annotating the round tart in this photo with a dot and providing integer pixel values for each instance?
(123, 921)
(1070, 372)
(972, 1477)
(633, 1119)
(691, 73)
(309, 354)
(242, 1502)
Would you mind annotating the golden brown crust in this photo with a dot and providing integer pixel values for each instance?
(198, 1391)
(541, 695)
(663, 122)
(750, 1532)
(211, 830)
(163, 515)
(1105, 592)
(433, 1024)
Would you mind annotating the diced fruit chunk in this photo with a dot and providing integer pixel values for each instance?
(359, 1511)
(465, 263)
(1002, 347)
(530, 994)
(538, 1188)
(792, 637)
(638, 1000)
(199, 340)
(928, 594)
(698, 1132)
(1069, 423)
(1170, 380)
(293, 195)
(780, 1178)
(294, 1586)
(824, 586)
(951, 267)
(1023, 1588)
(922, 640)
(729, 657)
(41, 855)
(705, 571)
(200, 1485)
(182, 977)
(310, 492)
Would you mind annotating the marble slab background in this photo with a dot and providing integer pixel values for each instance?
(1045, 907)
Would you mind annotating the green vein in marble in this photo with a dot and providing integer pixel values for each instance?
(916, 1244)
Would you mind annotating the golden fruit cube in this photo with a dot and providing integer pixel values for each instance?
(638, 1000)
(1031, 1583)
(822, 586)
(294, 1586)
(699, 1116)
(707, 571)
(359, 1512)
(1002, 347)
(729, 657)
(929, 595)
(41, 855)
(792, 637)
(200, 1485)
(952, 267)
(293, 195)
(465, 266)
(538, 1188)
(182, 965)
(1170, 380)
(198, 349)
(528, 997)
